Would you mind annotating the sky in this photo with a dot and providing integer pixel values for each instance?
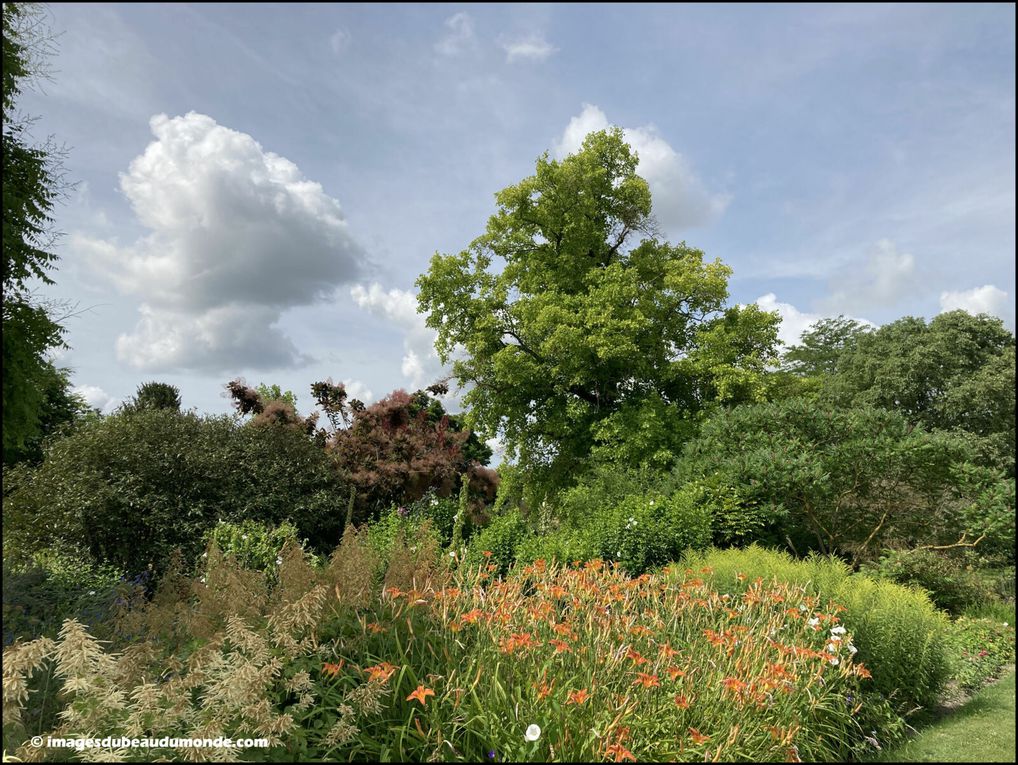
(257, 187)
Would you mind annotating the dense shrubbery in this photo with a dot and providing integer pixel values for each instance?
(978, 649)
(130, 488)
(428, 663)
(950, 584)
(40, 593)
(835, 480)
(898, 631)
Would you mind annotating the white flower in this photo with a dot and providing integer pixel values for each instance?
(839, 630)
(652, 503)
(618, 554)
(852, 649)
(835, 661)
(533, 733)
(91, 592)
(243, 536)
(813, 622)
(452, 553)
(832, 648)
(802, 606)
(279, 561)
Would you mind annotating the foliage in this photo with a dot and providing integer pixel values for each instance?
(603, 486)
(255, 545)
(154, 395)
(734, 521)
(644, 532)
(40, 593)
(438, 666)
(949, 584)
(958, 371)
(497, 543)
(31, 186)
(405, 445)
(59, 410)
(130, 488)
(850, 480)
(978, 649)
(582, 335)
(275, 393)
(822, 345)
(897, 630)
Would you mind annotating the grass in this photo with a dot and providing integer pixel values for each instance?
(983, 730)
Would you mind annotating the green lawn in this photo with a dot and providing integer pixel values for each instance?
(983, 730)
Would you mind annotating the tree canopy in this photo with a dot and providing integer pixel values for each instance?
(30, 188)
(574, 326)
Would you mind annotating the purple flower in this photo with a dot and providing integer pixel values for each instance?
(403, 512)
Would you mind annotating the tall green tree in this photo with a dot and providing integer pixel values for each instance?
(155, 395)
(30, 187)
(575, 327)
(957, 371)
(821, 346)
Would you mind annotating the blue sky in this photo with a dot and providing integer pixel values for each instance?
(260, 185)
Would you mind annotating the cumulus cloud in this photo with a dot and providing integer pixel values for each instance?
(421, 365)
(533, 47)
(680, 199)
(238, 235)
(459, 35)
(793, 321)
(886, 277)
(986, 299)
(96, 397)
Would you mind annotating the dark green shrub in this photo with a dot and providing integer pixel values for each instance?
(256, 546)
(132, 487)
(502, 538)
(564, 545)
(949, 584)
(642, 532)
(39, 594)
(978, 649)
(898, 631)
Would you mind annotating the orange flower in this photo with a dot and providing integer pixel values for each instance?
(376, 628)
(380, 673)
(472, 616)
(561, 646)
(733, 684)
(577, 697)
(421, 695)
(393, 592)
(681, 701)
(333, 669)
(619, 753)
(741, 577)
(518, 640)
(674, 672)
(486, 553)
(698, 737)
(861, 671)
(647, 681)
(544, 690)
(636, 657)
(668, 652)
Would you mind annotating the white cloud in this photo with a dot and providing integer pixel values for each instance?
(421, 365)
(793, 321)
(339, 40)
(533, 47)
(680, 199)
(986, 299)
(459, 37)
(96, 397)
(357, 389)
(886, 277)
(238, 235)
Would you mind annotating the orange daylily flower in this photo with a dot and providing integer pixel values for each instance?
(544, 690)
(681, 701)
(698, 737)
(577, 697)
(668, 652)
(861, 671)
(646, 680)
(741, 577)
(376, 628)
(333, 669)
(636, 657)
(421, 695)
(674, 672)
(380, 673)
(486, 553)
(619, 753)
(561, 646)
(734, 684)
(472, 616)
